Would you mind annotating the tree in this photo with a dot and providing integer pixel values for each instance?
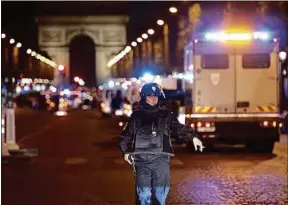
(274, 15)
(187, 27)
(181, 41)
(228, 15)
(194, 18)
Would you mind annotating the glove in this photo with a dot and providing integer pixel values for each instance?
(197, 143)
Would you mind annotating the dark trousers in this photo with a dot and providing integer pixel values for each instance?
(152, 178)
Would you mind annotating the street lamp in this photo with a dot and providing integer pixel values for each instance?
(18, 45)
(173, 10)
(144, 36)
(282, 56)
(127, 49)
(33, 53)
(3, 35)
(151, 31)
(61, 67)
(12, 41)
(29, 51)
(139, 40)
(133, 44)
(81, 82)
(76, 79)
(160, 22)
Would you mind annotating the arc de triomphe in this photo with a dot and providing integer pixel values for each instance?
(107, 32)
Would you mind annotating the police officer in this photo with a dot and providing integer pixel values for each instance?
(146, 144)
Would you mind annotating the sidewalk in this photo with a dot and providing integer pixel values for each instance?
(281, 148)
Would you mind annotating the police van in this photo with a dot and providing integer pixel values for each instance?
(233, 94)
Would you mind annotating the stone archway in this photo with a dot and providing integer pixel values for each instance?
(107, 32)
(82, 59)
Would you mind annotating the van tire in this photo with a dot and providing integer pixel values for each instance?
(260, 146)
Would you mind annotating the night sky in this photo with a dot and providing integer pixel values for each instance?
(18, 18)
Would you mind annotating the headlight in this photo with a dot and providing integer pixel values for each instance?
(61, 113)
(118, 112)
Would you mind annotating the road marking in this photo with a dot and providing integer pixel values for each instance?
(176, 161)
(75, 160)
(47, 127)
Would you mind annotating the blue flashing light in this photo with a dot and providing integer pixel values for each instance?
(261, 35)
(148, 77)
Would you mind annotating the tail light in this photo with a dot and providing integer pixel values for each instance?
(269, 124)
(203, 124)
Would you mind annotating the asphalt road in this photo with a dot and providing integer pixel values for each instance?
(79, 163)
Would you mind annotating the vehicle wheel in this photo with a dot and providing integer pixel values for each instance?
(260, 146)
(268, 146)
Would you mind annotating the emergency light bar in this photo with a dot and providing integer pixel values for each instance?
(222, 36)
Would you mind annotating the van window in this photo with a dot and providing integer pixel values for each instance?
(261, 60)
(215, 61)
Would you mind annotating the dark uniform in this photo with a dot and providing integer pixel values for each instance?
(147, 138)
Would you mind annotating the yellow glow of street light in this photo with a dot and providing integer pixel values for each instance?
(29, 51)
(151, 31)
(18, 45)
(133, 44)
(3, 35)
(122, 54)
(33, 53)
(173, 10)
(12, 41)
(53, 64)
(81, 82)
(144, 36)
(139, 40)
(160, 22)
(110, 63)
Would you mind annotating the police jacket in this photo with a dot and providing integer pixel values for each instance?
(148, 131)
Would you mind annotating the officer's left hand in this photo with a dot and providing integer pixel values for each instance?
(197, 143)
(128, 158)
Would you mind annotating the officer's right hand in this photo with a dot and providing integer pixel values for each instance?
(197, 143)
(126, 158)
